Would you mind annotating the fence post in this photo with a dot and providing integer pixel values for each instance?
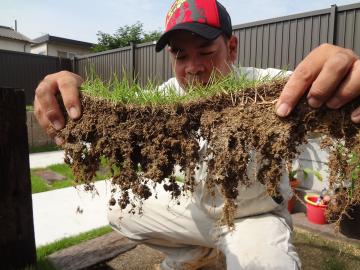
(332, 24)
(17, 244)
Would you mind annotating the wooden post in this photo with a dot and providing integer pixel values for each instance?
(332, 25)
(17, 240)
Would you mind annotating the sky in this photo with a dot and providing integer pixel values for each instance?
(82, 19)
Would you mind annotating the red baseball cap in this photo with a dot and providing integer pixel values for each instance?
(206, 18)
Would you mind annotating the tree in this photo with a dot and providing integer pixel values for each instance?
(124, 36)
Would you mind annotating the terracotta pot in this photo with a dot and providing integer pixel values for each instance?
(294, 183)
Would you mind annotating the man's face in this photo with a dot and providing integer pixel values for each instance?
(194, 58)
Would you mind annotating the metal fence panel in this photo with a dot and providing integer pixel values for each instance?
(106, 65)
(25, 70)
(280, 43)
(146, 63)
(348, 28)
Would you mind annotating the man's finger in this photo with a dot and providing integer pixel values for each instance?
(355, 116)
(330, 77)
(299, 82)
(43, 120)
(303, 77)
(69, 84)
(348, 90)
(45, 95)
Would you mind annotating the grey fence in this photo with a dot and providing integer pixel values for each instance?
(139, 61)
(25, 70)
(283, 42)
(280, 43)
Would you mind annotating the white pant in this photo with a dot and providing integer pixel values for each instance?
(190, 237)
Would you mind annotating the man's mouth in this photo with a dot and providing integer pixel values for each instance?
(195, 80)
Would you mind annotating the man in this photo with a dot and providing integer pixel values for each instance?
(199, 38)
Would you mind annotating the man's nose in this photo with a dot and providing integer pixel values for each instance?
(194, 67)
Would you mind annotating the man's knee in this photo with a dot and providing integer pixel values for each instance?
(265, 257)
(121, 222)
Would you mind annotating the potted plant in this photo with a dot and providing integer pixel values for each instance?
(350, 219)
(344, 208)
(295, 182)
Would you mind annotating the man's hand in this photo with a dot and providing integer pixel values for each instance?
(332, 76)
(46, 107)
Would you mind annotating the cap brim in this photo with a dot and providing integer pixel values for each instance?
(203, 30)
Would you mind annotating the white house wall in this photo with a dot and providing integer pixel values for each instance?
(312, 156)
(54, 48)
(14, 45)
(39, 49)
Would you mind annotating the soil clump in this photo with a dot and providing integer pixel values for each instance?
(142, 144)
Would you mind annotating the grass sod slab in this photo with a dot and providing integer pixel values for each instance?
(143, 134)
(39, 184)
(43, 148)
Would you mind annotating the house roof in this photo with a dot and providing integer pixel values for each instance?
(10, 33)
(53, 39)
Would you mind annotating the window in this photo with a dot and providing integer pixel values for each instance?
(62, 54)
(71, 55)
(66, 54)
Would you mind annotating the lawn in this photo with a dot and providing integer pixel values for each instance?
(318, 253)
(39, 184)
(43, 148)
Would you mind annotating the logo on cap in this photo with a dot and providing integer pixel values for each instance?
(183, 11)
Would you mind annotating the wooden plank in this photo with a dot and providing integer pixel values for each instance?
(91, 252)
(17, 245)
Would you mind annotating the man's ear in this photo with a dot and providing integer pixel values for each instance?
(233, 48)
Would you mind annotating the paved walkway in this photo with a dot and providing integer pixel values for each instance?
(41, 160)
(68, 211)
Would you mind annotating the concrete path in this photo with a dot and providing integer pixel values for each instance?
(41, 160)
(69, 211)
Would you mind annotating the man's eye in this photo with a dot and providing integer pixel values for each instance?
(179, 57)
(208, 53)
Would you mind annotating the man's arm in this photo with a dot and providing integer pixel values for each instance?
(332, 76)
(46, 107)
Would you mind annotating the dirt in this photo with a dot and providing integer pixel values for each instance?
(49, 176)
(315, 252)
(144, 143)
